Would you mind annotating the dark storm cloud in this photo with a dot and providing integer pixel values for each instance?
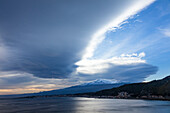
(45, 38)
(131, 73)
(127, 73)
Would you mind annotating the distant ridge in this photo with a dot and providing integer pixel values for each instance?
(93, 86)
(155, 89)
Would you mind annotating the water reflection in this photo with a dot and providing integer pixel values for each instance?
(82, 105)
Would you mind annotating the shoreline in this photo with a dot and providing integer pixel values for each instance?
(124, 98)
(49, 96)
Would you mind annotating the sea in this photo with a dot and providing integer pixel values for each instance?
(81, 105)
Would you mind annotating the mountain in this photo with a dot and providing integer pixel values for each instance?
(99, 82)
(93, 86)
(96, 85)
(154, 88)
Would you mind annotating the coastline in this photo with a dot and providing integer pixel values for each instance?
(95, 97)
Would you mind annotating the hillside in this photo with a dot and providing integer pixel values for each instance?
(156, 88)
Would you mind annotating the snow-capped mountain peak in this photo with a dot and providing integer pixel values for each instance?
(100, 81)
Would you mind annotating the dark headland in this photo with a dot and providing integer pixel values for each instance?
(154, 90)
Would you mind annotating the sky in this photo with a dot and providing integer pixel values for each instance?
(46, 45)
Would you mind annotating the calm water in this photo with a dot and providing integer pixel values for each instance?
(82, 105)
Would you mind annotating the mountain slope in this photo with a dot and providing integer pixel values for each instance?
(99, 82)
(93, 86)
(96, 85)
(156, 87)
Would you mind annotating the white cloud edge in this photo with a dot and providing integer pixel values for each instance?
(99, 36)
(96, 66)
(87, 65)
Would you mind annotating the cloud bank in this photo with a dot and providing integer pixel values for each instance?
(127, 68)
(97, 66)
(89, 65)
(47, 39)
(57, 39)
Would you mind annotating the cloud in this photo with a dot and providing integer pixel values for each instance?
(97, 66)
(99, 36)
(165, 32)
(133, 73)
(90, 67)
(47, 39)
(50, 45)
(14, 82)
(127, 67)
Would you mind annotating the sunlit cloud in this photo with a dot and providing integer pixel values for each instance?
(48, 44)
(17, 83)
(94, 66)
(78, 44)
(90, 65)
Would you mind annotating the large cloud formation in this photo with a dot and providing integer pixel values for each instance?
(127, 68)
(47, 38)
